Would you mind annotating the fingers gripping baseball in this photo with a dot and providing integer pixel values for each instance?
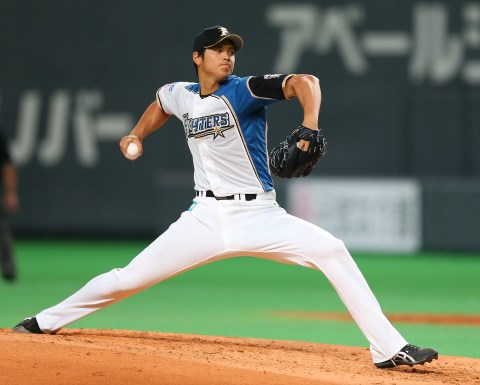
(131, 147)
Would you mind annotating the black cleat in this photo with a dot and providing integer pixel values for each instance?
(28, 325)
(9, 276)
(8, 271)
(410, 355)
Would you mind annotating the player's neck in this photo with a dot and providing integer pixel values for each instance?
(209, 85)
(209, 88)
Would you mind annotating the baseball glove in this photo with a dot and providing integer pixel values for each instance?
(289, 161)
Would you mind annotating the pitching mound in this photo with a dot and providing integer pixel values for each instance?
(101, 357)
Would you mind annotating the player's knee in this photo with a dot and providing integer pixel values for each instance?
(331, 248)
(337, 248)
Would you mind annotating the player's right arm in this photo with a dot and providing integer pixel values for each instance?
(152, 119)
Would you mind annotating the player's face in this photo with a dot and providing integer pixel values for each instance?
(218, 61)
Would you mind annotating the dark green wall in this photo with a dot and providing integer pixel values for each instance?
(400, 98)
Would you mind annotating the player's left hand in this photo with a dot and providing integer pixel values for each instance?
(298, 154)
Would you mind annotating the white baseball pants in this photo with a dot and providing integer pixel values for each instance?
(218, 229)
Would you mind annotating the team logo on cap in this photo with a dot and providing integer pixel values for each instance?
(223, 31)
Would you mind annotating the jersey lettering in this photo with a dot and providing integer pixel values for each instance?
(206, 125)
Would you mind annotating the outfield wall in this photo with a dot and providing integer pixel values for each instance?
(396, 215)
(401, 99)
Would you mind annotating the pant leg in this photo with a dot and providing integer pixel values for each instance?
(276, 235)
(191, 241)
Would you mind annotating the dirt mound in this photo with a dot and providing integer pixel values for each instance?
(101, 357)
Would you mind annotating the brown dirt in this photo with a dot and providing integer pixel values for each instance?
(416, 318)
(101, 357)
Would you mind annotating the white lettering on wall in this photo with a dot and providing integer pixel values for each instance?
(78, 114)
(433, 51)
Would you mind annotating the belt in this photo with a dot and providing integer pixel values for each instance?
(237, 197)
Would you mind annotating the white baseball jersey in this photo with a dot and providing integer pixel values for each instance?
(226, 131)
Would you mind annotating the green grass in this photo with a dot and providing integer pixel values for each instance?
(237, 297)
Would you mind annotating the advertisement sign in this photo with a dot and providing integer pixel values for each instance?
(367, 214)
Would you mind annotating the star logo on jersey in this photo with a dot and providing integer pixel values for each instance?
(218, 131)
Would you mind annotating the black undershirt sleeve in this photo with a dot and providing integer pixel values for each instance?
(268, 86)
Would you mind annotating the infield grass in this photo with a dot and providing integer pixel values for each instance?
(238, 297)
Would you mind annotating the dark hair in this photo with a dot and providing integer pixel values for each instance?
(201, 53)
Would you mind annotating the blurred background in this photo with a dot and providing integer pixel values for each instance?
(401, 113)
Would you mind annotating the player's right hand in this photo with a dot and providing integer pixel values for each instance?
(125, 141)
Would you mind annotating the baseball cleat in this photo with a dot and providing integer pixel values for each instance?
(8, 271)
(410, 355)
(28, 325)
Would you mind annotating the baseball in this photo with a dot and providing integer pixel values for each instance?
(132, 149)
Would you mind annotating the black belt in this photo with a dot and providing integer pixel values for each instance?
(210, 194)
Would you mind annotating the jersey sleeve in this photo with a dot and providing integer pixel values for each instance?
(257, 92)
(268, 86)
(168, 97)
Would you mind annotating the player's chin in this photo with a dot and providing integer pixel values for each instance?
(226, 71)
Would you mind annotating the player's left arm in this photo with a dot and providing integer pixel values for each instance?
(306, 88)
(300, 152)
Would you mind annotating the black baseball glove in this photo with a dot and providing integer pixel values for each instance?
(289, 161)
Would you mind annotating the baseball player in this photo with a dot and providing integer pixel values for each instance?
(234, 211)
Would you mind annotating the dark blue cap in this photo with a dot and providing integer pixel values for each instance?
(214, 35)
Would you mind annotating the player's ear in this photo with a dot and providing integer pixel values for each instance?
(197, 58)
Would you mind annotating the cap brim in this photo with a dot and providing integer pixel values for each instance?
(236, 40)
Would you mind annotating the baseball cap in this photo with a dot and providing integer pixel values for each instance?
(214, 35)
